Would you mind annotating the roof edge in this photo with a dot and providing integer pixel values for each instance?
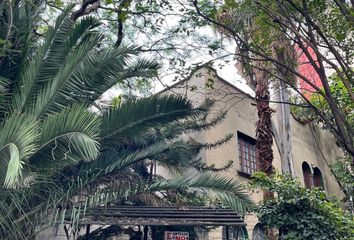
(218, 77)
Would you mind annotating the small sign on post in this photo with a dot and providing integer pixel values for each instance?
(169, 235)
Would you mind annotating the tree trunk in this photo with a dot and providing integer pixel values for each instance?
(264, 151)
(283, 128)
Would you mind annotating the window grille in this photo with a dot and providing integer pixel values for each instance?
(247, 154)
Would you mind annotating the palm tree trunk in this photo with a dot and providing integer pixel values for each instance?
(264, 151)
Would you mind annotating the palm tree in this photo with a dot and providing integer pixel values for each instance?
(257, 73)
(57, 152)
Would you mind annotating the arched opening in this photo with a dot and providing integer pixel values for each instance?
(258, 233)
(306, 171)
(317, 178)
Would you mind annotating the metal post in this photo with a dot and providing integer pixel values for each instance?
(146, 232)
(87, 237)
(238, 231)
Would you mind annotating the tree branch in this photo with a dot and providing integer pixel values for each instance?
(84, 10)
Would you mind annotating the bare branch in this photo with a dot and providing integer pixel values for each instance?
(85, 9)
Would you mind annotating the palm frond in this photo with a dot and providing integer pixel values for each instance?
(85, 25)
(22, 38)
(59, 92)
(113, 161)
(71, 119)
(102, 71)
(137, 116)
(179, 158)
(227, 190)
(70, 135)
(190, 126)
(4, 94)
(18, 140)
(13, 164)
(140, 68)
(23, 209)
(32, 69)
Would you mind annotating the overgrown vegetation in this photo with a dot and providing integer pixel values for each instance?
(59, 157)
(338, 91)
(300, 213)
(56, 149)
(344, 174)
(320, 30)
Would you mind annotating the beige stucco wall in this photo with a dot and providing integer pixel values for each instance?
(318, 148)
(309, 143)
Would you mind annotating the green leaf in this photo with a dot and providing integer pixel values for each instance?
(137, 116)
(18, 141)
(67, 138)
(14, 166)
(229, 191)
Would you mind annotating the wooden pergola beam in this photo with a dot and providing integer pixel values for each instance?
(161, 216)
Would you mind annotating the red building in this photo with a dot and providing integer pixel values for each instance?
(306, 69)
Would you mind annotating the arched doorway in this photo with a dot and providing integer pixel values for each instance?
(317, 178)
(306, 171)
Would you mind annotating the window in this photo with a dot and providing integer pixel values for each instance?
(306, 171)
(312, 178)
(317, 178)
(247, 154)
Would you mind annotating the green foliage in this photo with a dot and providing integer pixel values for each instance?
(275, 33)
(343, 172)
(340, 95)
(55, 149)
(300, 213)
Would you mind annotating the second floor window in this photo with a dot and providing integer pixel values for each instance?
(247, 154)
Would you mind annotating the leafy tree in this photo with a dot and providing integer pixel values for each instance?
(326, 27)
(322, 26)
(168, 31)
(300, 213)
(60, 158)
(343, 172)
(339, 92)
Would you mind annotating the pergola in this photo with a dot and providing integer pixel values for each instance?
(162, 216)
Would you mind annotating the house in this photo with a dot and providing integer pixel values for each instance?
(313, 148)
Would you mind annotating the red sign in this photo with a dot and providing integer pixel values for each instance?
(176, 235)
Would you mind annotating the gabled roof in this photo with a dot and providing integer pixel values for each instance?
(217, 77)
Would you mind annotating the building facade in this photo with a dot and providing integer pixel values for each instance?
(313, 148)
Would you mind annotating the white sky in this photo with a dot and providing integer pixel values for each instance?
(228, 72)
